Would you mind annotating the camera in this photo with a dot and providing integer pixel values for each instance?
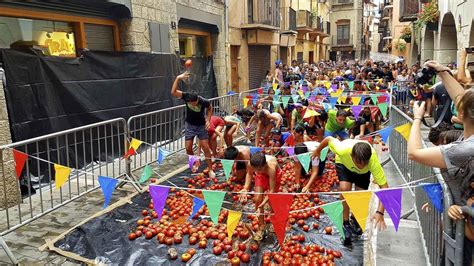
(425, 76)
(470, 50)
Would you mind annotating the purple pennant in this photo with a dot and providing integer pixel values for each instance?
(191, 160)
(287, 83)
(392, 202)
(159, 195)
(290, 151)
(356, 109)
(304, 88)
(334, 87)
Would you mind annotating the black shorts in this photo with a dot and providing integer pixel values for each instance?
(360, 180)
(240, 166)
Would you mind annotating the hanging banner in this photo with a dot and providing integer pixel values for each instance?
(334, 211)
(385, 133)
(135, 144)
(359, 205)
(281, 204)
(146, 174)
(323, 154)
(305, 160)
(214, 201)
(383, 108)
(356, 109)
(290, 151)
(404, 130)
(107, 185)
(159, 195)
(285, 100)
(435, 195)
(197, 205)
(356, 100)
(246, 102)
(227, 165)
(309, 113)
(162, 154)
(232, 221)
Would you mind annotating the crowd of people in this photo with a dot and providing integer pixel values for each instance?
(274, 126)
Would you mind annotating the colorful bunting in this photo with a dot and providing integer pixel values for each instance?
(232, 221)
(191, 160)
(404, 130)
(255, 149)
(334, 211)
(281, 204)
(351, 85)
(146, 174)
(333, 101)
(159, 195)
(197, 205)
(227, 165)
(307, 94)
(214, 201)
(392, 201)
(276, 104)
(323, 154)
(435, 195)
(107, 184)
(356, 109)
(385, 133)
(285, 100)
(61, 174)
(301, 93)
(260, 90)
(275, 86)
(326, 106)
(162, 154)
(295, 98)
(129, 153)
(135, 144)
(254, 99)
(20, 160)
(310, 113)
(382, 99)
(305, 160)
(277, 92)
(290, 140)
(356, 100)
(359, 204)
(383, 108)
(246, 102)
(374, 98)
(290, 151)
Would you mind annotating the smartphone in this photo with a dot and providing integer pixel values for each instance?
(470, 50)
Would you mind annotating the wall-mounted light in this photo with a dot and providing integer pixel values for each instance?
(173, 25)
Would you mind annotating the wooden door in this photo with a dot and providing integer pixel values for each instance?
(311, 57)
(234, 65)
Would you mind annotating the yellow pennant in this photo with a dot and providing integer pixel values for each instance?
(310, 113)
(339, 92)
(343, 99)
(356, 100)
(61, 174)
(275, 86)
(359, 204)
(347, 109)
(404, 130)
(232, 221)
(327, 84)
(301, 94)
(135, 143)
(333, 94)
(246, 102)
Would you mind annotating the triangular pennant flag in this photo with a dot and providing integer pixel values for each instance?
(290, 151)
(335, 95)
(246, 102)
(435, 195)
(339, 99)
(307, 94)
(20, 160)
(356, 109)
(334, 211)
(285, 100)
(305, 159)
(129, 153)
(339, 92)
(281, 204)
(260, 90)
(227, 165)
(159, 195)
(374, 98)
(295, 98)
(392, 202)
(301, 93)
(343, 99)
(232, 221)
(359, 204)
(197, 205)
(323, 91)
(214, 201)
(107, 184)
(404, 130)
(254, 98)
(290, 140)
(191, 160)
(276, 104)
(383, 108)
(275, 86)
(382, 99)
(385, 133)
(276, 97)
(356, 100)
(333, 100)
(162, 154)
(323, 154)
(351, 85)
(255, 149)
(326, 106)
(327, 84)
(61, 174)
(310, 113)
(265, 89)
(334, 87)
(146, 174)
(135, 143)
(304, 88)
(277, 92)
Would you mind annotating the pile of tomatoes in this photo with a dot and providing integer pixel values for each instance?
(174, 228)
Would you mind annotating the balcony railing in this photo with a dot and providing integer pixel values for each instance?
(265, 12)
(342, 2)
(292, 19)
(304, 19)
(338, 41)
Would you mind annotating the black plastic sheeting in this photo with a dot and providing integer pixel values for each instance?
(105, 238)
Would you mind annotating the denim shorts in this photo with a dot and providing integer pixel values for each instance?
(191, 131)
(341, 133)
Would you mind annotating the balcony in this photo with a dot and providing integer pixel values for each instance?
(263, 15)
(337, 3)
(304, 22)
(408, 10)
(340, 41)
(292, 20)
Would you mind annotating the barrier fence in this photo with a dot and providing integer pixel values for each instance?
(442, 239)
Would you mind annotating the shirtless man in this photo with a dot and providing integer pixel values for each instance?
(242, 156)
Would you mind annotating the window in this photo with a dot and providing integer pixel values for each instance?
(343, 34)
(52, 37)
(194, 45)
(344, 1)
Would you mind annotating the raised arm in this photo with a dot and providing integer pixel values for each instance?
(321, 146)
(462, 77)
(175, 88)
(452, 86)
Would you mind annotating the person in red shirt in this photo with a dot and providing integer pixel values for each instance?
(216, 129)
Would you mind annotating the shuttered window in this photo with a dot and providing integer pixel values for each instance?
(259, 64)
(99, 37)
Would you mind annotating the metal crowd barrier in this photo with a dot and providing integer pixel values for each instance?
(90, 151)
(165, 129)
(442, 239)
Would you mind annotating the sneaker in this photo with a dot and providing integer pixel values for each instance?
(347, 228)
(356, 229)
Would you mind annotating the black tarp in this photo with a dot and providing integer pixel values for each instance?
(105, 238)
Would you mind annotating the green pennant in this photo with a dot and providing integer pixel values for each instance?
(285, 100)
(307, 94)
(227, 165)
(304, 159)
(277, 92)
(276, 105)
(351, 85)
(374, 98)
(323, 154)
(334, 211)
(383, 108)
(146, 174)
(214, 201)
(295, 98)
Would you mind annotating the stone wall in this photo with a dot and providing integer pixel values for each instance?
(8, 184)
(134, 33)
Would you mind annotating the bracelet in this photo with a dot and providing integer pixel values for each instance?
(379, 212)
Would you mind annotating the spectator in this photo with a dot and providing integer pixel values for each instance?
(439, 101)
